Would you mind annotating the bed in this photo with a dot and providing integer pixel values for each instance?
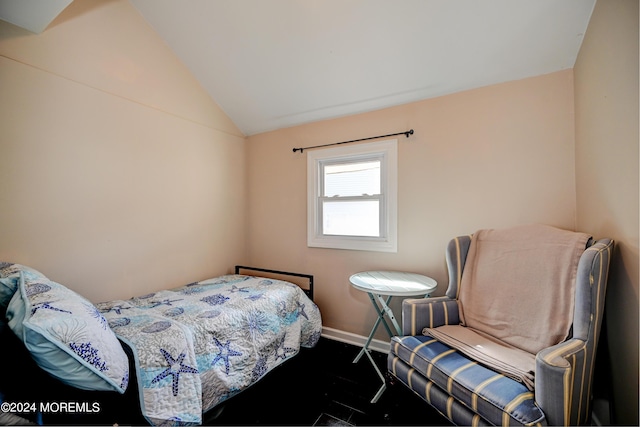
(174, 354)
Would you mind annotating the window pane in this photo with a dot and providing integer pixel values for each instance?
(353, 218)
(352, 179)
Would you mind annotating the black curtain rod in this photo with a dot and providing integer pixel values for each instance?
(405, 133)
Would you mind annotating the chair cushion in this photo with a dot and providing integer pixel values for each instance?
(479, 388)
(496, 355)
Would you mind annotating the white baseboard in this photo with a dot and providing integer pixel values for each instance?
(354, 339)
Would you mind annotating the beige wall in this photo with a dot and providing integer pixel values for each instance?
(606, 88)
(118, 174)
(492, 157)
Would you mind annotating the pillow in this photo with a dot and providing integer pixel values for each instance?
(67, 336)
(9, 273)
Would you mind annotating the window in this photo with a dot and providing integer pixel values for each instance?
(352, 197)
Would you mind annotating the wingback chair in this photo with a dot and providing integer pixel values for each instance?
(513, 341)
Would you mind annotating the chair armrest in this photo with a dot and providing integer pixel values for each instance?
(420, 313)
(559, 381)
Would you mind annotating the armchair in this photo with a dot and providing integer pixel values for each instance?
(513, 341)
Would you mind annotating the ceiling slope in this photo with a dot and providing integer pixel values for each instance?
(280, 63)
(32, 15)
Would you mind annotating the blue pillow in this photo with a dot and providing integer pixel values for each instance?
(9, 274)
(67, 336)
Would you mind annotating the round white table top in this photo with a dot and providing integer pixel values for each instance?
(396, 283)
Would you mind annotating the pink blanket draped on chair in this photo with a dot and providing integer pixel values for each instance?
(515, 297)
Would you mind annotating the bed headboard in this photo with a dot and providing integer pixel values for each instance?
(276, 274)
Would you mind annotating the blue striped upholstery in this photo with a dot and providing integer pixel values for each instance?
(564, 372)
(420, 313)
(425, 365)
(457, 251)
(470, 394)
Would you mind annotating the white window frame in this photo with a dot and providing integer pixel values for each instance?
(388, 151)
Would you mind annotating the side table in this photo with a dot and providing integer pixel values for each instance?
(381, 286)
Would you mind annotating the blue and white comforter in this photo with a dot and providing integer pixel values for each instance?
(198, 345)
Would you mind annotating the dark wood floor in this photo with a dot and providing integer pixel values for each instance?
(321, 386)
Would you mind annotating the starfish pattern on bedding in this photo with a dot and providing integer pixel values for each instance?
(176, 367)
(116, 309)
(286, 351)
(224, 354)
(259, 369)
(301, 310)
(235, 289)
(48, 306)
(165, 301)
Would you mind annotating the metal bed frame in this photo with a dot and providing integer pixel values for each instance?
(309, 277)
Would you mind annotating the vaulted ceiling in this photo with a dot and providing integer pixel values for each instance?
(271, 64)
